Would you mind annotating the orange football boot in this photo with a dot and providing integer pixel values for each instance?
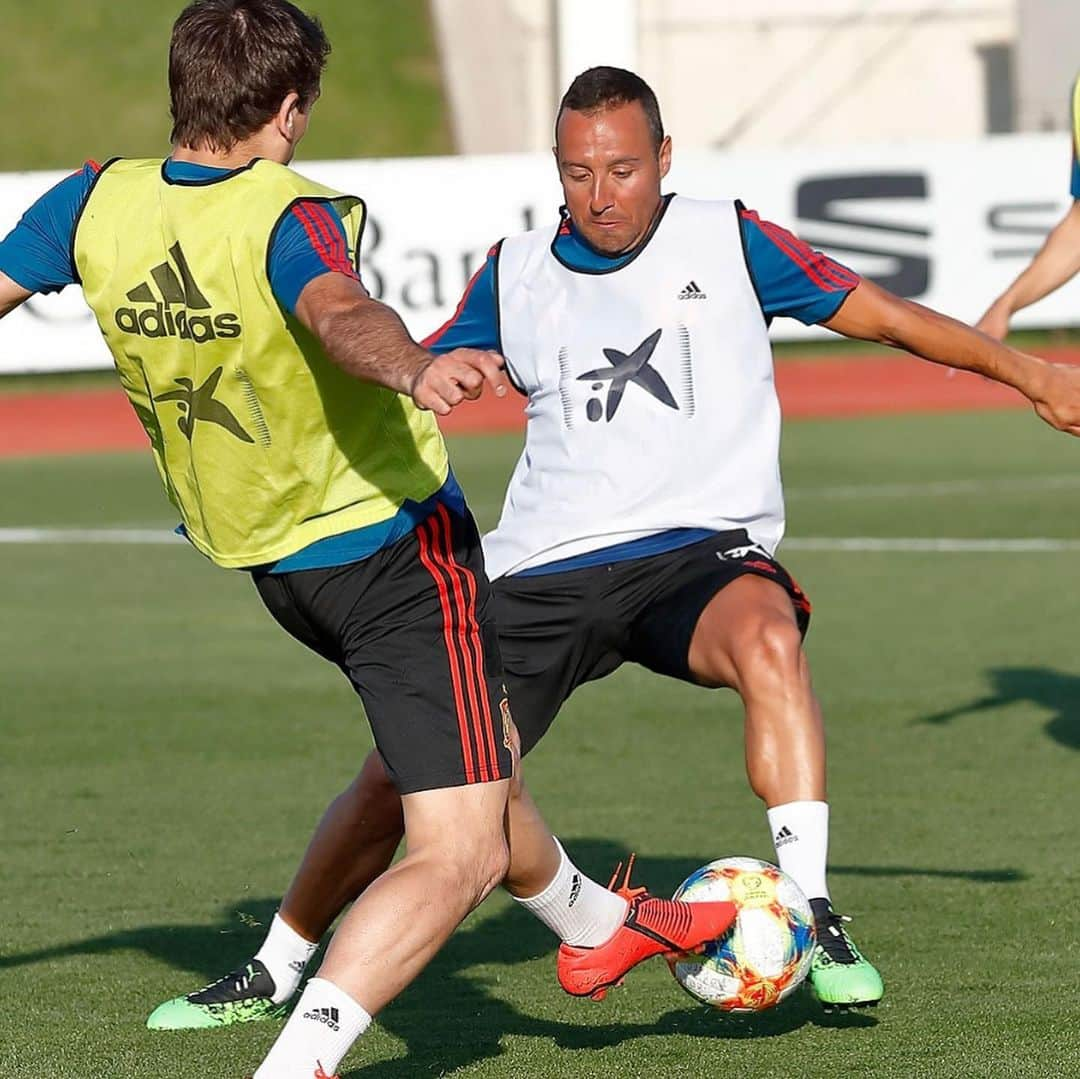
(652, 927)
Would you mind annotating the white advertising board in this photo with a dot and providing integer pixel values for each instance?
(946, 224)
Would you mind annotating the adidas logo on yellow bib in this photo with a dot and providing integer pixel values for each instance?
(176, 288)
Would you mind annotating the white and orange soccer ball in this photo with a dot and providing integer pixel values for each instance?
(767, 952)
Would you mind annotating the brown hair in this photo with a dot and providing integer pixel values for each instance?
(233, 62)
(601, 88)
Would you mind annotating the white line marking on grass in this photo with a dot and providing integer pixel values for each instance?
(1018, 484)
(914, 545)
(89, 535)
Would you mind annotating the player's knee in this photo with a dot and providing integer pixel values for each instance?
(769, 652)
(475, 865)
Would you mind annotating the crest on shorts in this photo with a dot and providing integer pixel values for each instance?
(508, 723)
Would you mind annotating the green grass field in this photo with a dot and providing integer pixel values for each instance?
(166, 750)
(96, 73)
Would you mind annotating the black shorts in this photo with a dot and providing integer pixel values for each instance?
(413, 631)
(559, 630)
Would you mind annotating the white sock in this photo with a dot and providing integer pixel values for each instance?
(800, 832)
(578, 910)
(320, 1031)
(285, 954)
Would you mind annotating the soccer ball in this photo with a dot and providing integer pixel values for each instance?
(767, 952)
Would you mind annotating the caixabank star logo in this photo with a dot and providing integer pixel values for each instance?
(171, 310)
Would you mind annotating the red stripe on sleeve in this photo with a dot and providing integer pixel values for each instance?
(432, 338)
(322, 235)
(828, 275)
(338, 248)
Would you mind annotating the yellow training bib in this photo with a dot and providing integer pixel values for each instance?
(264, 445)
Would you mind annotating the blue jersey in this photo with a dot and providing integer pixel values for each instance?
(790, 279)
(37, 254)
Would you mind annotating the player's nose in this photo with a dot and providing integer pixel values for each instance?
(600, 197)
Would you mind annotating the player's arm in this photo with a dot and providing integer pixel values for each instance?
(1056, 262)
(869, 313)
(36, 255)
(11, 294)
(368, 340)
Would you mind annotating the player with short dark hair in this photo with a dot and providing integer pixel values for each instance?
(232, 64)
(1058, 260)
(290, 418)
(641, 521)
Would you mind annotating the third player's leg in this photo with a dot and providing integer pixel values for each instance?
(355, 841)
(748, 638)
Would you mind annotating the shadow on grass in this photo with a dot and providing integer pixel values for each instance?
(976, 876)
(449, 1018)
(1054, 691)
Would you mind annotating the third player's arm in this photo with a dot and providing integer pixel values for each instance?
(1057, 262)
(872, 314)
(11, 294)
(368, 340)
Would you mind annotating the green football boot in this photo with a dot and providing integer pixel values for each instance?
(839, 976)
(244, 996)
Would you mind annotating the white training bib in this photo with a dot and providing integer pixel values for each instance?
(651, 396)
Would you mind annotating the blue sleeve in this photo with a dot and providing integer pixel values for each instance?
(789, 276)
(1074, 113)
(36, 254)
(309, 241)
(475, 323)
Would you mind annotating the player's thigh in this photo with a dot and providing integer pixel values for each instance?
(550, 644)
(748, 619)
(688, 624)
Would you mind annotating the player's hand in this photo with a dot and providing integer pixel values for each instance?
(1057, 398)
(461, 375)
(995, 323)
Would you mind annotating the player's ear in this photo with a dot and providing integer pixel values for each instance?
(665, 156)
(286, 118)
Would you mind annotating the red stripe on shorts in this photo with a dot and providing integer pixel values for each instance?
(444, 558)
(448, 618)
(477, 647)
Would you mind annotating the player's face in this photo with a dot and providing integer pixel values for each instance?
(611, 172)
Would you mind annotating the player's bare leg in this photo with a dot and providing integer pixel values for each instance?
(748, 639)
(354, 842)
(457, 851)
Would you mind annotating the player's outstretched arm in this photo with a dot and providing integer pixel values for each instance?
(369, 341)
(872, 314)
(11, 294)
(1057, 261)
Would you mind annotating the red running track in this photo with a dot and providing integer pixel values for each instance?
(100, 420)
